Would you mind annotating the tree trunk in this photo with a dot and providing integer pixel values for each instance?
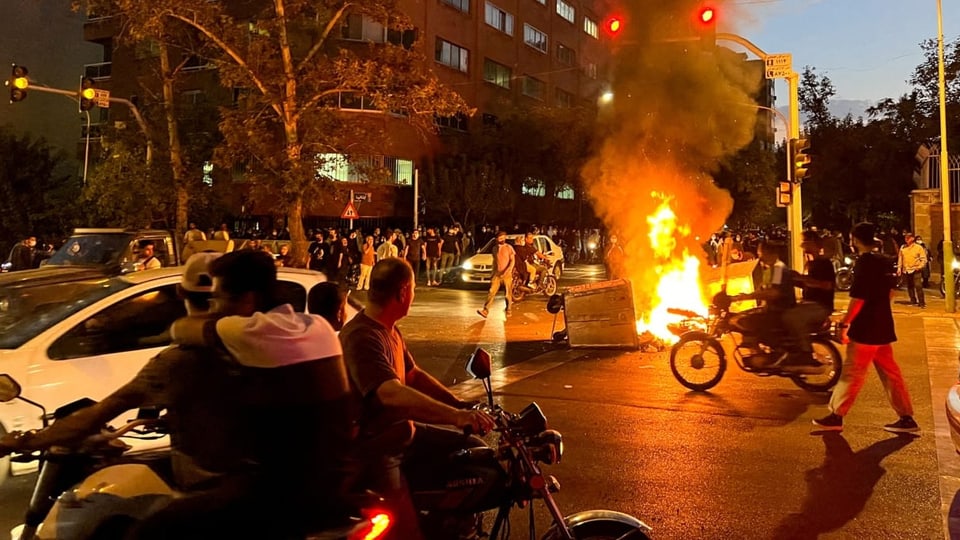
(173, 134)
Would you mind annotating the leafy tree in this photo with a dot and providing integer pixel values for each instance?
(37, 194)
(469, 188)
(814, 94)
(293, 71)
(751, 177)
(124, 190)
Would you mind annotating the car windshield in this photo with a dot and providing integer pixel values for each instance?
(25, 312)
(91, 250)
(488, 247)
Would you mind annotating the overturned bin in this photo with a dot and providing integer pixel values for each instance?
(601, 315)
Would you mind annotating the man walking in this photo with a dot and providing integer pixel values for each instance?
(504, 260)
(868, 331)
(910, 264)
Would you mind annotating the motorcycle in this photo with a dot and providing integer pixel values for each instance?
(545, 283)
(844, 272)
(956, 281)
(698, 360)
(476, 480)
(96, 491)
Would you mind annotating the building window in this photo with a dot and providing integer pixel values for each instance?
(462, 5)
(401, 170)
(565, 99)
(566, 192)
(195, 63)
(497, 74)
(490, 120)
(365, 168)
(566, 11)
(533, 187)
(403, 38)
(356, 27)
(534, 38)
(457, 122)
(534, 88)
(542, 2)
(590, 27)
(499, 19)
(207, 173)
(566, 55)
(590, 69)
(452, 55)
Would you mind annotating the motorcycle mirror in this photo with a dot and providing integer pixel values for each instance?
(9, 389)
(478, 365)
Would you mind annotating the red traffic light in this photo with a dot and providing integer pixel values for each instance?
(708, 15)
(614, 25)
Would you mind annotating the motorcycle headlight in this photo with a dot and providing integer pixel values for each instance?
(468, 265)
(847, 261)
(955, 264)
(591, 245)
(547, 447)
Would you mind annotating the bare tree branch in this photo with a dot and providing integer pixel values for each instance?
(323, 37)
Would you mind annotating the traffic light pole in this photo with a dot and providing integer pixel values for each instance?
(795, 210)
(128, 103)
(947, 271)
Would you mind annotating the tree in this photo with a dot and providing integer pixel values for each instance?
(815, 93)
(284, 55)
(469, 188)
(751, 176)
(124, 190)
(37, 195)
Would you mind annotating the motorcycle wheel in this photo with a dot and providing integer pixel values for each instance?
(698, 361)
(844, 280)
(550, 285)
(825, 352)
(604, 530)
(516, 291)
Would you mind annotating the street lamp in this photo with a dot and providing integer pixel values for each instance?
(947, 276)
(606, 97)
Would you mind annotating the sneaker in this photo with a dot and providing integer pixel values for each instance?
(830, 422)
(906, 424)
(483, 313)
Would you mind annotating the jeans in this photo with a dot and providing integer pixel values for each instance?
(914, 282)
(415, 264)
(802, 319)
(447, 260)
(433, 270)
(855, 365)
(495, 281)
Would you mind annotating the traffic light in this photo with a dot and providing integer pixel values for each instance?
(87, 93)
(707, 25)
(18, 83)
(613, 26)
(800, 158)
(784, 194)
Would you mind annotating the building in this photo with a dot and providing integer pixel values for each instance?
(495, 54)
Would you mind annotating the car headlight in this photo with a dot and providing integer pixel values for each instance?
(955, 264)
(591, 245)
(468, 265)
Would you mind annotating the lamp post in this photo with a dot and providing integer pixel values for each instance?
(947, 276)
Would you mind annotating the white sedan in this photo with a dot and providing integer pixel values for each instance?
(94, 338)
(477, 268)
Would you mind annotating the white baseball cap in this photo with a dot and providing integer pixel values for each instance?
(196, 273)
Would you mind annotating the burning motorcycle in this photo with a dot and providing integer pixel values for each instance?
(472, 481)
(97, 491)
(698, 360)
(545, 283)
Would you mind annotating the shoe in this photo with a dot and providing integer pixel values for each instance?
(830, 422)
(906, 424)
(483, 313)
(923, 306)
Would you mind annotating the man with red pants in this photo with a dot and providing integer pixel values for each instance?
(869, 334)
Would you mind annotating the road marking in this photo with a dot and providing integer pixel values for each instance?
(500, 378)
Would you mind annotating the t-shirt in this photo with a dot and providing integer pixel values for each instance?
(525, 252)
(872, 283)
(374, 355)
(433, 245)
(450, 243)
(776, 276)
(820, 269)
(369, 256)
(413, 251)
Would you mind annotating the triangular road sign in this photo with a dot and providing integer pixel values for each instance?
(350, 212)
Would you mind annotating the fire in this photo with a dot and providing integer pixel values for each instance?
(677, 273)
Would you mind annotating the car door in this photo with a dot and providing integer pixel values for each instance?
(97, 350)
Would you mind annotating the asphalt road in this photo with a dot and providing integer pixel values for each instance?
(737, 462)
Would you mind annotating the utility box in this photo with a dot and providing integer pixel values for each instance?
(601, 315)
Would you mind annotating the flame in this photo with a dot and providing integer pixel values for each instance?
(677, 273)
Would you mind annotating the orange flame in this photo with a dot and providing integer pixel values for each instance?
(678, 273)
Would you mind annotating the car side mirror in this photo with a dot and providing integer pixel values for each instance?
(478, 365)
(9, 389)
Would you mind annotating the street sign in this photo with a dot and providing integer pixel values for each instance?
(361, 196)
(350, 211)
(778, 65)
(101, 98)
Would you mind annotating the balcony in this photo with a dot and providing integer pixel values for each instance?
(98, 72)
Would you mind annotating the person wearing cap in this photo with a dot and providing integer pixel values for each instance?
(911, 261)
(208, 454)
(504, 260)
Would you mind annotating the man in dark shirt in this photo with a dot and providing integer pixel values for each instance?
(432, 244)
(414, 251)
(773, 286)
(868, 331)
(318, 253)
(394, 394)
(21, 256)
(450, 250)
(817, 305)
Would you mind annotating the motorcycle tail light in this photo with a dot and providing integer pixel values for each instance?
(377, 525)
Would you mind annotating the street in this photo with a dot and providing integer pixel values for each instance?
(737, 462)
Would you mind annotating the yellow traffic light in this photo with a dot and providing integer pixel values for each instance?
(800, 157)
(87, 93)
(21, 83)
(18, 83)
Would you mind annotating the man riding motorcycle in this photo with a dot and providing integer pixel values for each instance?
(530, 255)
(395, 393)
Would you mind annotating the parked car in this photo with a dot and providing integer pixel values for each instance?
(93, 336)
(476, 269)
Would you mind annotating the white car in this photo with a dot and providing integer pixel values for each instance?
(477, 268)
(94, 338)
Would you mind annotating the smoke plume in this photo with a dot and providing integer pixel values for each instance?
(678, 108)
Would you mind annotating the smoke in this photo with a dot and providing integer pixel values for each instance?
(678, 109)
